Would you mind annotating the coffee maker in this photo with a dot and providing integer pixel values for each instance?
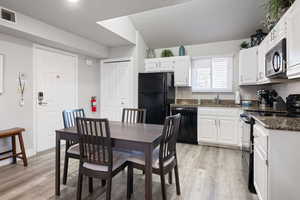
(293, 104)
(264, 98)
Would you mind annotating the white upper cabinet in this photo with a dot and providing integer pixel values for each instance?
(293, 41)
(182, 72)
(180, 65)
(248, 62)
(261, 77)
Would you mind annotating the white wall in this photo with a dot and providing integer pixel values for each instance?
(18, 57)
(88, 84)
(210, 49)
(284, 89)
(121, 52)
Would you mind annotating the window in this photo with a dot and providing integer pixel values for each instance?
(212, 74)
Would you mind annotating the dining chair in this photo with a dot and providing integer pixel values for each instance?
(134, 115)
(97, 159)
(72, 148)
(164, 158)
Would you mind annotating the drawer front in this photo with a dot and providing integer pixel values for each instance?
(261, 140)
(228, 112)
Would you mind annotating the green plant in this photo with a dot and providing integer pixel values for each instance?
(276, 8)
(167, 53)
(244, 45)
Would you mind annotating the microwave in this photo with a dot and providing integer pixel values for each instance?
(275, 66)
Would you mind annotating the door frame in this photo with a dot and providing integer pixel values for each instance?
(35, 78)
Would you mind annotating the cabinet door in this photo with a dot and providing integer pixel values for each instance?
(248, 63)
(228, 131)
(182, 73)
(167, 65)
(151, 66)
(293, 41)
(260, 175)
(207, 130)
(261, 74)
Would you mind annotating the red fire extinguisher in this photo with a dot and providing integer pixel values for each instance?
(93, 104)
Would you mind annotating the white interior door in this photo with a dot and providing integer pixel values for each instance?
(56, 81)
(116, 89)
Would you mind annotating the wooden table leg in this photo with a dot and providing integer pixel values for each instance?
(14, 151)
(148, 172)
(24, 157)
(57, 166)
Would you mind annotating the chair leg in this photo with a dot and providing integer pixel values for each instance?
(79, 186)
(66, 165)
(129, 181)
(163, 186)
(177, 180)
(22, 149)
(91, 189)
(108, 188)
(103, 182)
(170, 178)
(13, 144)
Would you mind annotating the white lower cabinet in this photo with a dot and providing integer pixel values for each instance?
(207, 130)
(276, 163)
(260, 175)
(228, 129)
(218, 126)
(261, 162)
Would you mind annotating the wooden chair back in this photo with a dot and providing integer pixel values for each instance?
(69, 117)
(95, 141)
(134, 115)
(169, 137)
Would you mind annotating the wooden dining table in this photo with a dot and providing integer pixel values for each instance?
(127, 136)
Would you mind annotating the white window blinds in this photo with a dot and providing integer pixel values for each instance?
(212, 74)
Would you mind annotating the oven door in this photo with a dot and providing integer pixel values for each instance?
(246, 142)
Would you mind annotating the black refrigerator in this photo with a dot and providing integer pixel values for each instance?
(156, 93)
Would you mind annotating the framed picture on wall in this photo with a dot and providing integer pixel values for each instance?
(1, 72)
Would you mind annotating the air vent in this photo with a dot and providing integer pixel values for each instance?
(8, 15)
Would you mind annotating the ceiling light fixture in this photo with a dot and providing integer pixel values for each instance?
(73, 1)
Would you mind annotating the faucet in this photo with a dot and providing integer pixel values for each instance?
(217, 99)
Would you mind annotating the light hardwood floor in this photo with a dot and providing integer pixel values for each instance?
(206, 173)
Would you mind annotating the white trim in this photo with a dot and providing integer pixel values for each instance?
(35, 47)
(213, 56)
(129, 59)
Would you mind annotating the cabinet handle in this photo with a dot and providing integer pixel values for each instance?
(216, 123)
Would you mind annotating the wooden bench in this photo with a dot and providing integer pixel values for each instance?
(13, 133)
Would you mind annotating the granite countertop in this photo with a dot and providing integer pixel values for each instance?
(207, 105)
(278, 122)
(263, 109)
